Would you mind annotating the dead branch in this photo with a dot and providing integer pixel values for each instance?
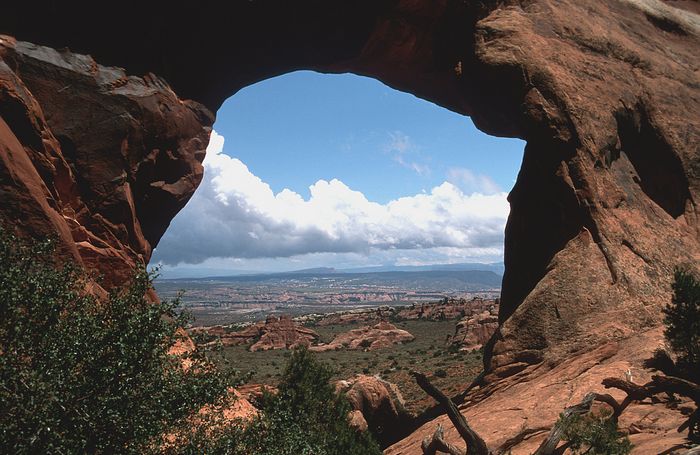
(661, 384)
(518, 438)
(475, 444)
(634, 391)
(549, 445)
(437, 442)
(677, 385)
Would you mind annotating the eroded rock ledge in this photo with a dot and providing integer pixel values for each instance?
(101, 159)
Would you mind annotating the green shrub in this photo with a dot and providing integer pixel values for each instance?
(682, 320)
(82, 375)
(594, 434)
(305, 417)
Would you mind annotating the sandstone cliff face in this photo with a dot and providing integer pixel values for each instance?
(98, 158)
(604, 91)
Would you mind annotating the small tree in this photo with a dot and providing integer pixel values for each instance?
(306, 416)
(82, 375)
(682, 320)
(595, 434)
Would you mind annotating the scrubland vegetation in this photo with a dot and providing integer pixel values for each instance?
(80, 374)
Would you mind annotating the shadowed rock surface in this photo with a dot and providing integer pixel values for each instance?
(100, 159)
(377, 405)
(605, 92)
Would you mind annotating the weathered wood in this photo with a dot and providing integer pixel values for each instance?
(518, 438)
(677, 385)
(660, 384)
(635, 391)
(475, 444)
(549, 445)
(437, 442)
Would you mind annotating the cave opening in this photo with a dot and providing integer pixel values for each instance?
(310, 170)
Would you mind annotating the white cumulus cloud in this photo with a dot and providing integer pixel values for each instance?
(234, 214)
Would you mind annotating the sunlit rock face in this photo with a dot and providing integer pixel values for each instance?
(604, 91)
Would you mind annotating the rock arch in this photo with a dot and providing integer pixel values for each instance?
(604, 92)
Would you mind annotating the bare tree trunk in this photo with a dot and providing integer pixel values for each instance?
(475, 444)
(437, 442)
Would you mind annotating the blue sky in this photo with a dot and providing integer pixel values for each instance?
(295, 129)
(308, 170)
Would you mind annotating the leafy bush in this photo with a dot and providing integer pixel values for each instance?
(306, 416)
(594, 434)
(682, 319)
(82, 375)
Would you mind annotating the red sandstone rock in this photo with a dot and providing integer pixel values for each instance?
(283, 333)
(357, 420)
(93, 155)
(272, 333)
(448, 309)
(379, 404)
(254, 392)
(474, 331)
(534, 396)
(378, 336)
(239, 407)
(604, 91)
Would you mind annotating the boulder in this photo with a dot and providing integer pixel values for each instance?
(282, 333)
(379, 404)
(474, 331)
(370, 338)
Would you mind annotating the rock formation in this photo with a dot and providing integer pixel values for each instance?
(605, 92)
(93, 156)
(283, 333)
(475, 331)
(272, 333)
(448, 309)
(377, 405)
(370, 338)
(254, 392)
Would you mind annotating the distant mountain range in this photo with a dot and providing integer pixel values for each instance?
(198, 273)
(497, 267)
(314, 279)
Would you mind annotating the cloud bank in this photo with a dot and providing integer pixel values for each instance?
(234, 214)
